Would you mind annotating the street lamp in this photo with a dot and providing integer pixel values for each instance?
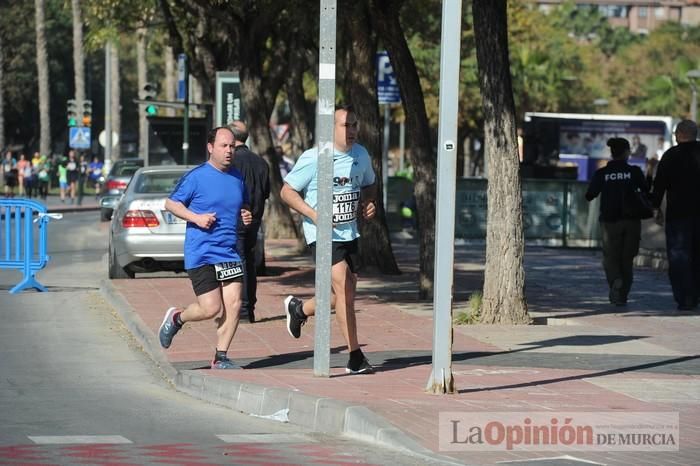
(692, 75)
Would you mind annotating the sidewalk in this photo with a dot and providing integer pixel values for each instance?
(585, 356)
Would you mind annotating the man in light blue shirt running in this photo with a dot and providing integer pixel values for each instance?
(354, 194)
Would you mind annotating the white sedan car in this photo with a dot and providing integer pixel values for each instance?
(144, 237)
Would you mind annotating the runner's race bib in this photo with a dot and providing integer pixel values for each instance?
(345, 207)
(228, 270)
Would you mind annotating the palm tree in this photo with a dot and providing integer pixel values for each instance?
(42, 66)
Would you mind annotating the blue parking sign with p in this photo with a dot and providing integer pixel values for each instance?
(79, 137)
(387, 85)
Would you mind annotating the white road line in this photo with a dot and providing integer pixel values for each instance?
(267, 438)
(77, 439)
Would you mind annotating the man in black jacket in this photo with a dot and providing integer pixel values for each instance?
(678, 177)
(257, 182)
(621, 230)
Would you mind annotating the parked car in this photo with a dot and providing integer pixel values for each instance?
(144, 237)
(115, 184)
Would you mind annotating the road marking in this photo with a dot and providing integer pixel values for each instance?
(78, 439)
(267, 438)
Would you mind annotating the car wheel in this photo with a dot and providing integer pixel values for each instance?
(115, 271)
(105, 215)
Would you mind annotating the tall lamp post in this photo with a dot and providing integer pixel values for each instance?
(692, 76)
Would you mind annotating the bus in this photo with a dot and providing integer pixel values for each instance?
(573, 145)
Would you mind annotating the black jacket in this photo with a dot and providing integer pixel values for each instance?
(612, 182)
(256, 177)
(678, 176)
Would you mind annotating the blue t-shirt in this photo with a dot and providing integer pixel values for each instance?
(205, 189)
(352, 171)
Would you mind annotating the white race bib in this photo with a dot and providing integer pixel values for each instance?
(345, 207)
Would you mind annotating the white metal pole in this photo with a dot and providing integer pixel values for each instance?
(324, 228)
(441, 380)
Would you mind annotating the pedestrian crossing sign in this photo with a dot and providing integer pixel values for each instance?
(79, 137)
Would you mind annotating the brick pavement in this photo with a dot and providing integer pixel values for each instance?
(590, 357)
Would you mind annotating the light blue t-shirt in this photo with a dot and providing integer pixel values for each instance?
(205, 189)
(352, 171)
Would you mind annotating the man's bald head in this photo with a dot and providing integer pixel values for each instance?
(240, 131)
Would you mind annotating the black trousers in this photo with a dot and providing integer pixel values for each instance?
(245, 246)
(683, 250)
(620, 245)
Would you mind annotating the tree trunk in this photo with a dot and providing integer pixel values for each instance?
(169, 81)
(115, 98)
(42, 67)
(258, 102)
(78, 58)
(2, 101)
(302, 136)
(360, 83)
(422, 153)
(503, 299)
(142, 79)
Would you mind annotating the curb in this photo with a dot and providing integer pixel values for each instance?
(323, 415)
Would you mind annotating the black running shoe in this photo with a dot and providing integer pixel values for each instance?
(295, 315)
(364, 367)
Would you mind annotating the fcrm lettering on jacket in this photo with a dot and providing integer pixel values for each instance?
(618, 176)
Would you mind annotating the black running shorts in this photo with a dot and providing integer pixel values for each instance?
(204, 280)
(347, 251)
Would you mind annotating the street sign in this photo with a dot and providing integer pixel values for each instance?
(181, 77)
(229, 106)
(79, 137)
(387, 86)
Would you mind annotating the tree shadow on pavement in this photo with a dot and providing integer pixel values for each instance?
(604, 373)
(574, 340)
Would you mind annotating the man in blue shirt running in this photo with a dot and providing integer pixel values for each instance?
(211, 198)
(354, 194)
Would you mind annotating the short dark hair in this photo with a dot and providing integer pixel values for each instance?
(618, 147)
(687, 128)
(347, 107)
(211, 135)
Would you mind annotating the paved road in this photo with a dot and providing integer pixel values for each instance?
(76, 388)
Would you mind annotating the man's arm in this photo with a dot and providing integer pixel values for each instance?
(294, 200)
(368, 201)
(204, 221)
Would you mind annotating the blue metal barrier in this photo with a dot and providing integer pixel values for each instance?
(18, 236)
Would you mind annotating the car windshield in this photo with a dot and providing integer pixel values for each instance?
(157, 183)
(126, 170)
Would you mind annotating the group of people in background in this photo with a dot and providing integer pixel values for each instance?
(624, 189)
(36, 176)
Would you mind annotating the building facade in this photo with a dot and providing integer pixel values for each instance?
(640, 16)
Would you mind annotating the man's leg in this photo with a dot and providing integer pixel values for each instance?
(250, 283)
(612, 259)
(228, 322)
(678, 249)
(344, 282)
(630, 248)
(208, 306)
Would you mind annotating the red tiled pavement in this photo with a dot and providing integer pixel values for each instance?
(397, 391)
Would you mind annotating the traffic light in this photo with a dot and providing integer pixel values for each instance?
(87, 112)
(149, 92)
(72, 112)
